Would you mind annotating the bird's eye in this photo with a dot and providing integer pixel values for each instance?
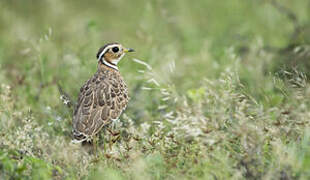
(115, 49)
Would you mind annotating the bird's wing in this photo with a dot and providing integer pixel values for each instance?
(101, 100)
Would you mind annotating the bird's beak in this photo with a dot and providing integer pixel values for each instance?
(126, 50)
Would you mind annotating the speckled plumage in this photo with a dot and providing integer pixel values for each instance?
(101, 100)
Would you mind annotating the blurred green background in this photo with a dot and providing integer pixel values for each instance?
(263, 46)
(50, 41)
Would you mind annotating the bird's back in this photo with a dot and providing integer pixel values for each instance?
(101, 99)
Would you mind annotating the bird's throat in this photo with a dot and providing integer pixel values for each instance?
(109, 64)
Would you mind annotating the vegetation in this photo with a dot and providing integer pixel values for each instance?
(219, 89)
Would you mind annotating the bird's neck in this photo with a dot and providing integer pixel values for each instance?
(105, 65)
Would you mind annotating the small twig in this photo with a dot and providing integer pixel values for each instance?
(290, 15)
(66, 99)
(298, 28)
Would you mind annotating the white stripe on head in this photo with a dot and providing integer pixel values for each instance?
(106, 62)
(105, 50)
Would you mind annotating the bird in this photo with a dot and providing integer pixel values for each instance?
(103, 97)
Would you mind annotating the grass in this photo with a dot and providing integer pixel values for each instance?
(221, 93)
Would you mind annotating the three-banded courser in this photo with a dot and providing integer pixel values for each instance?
(103, 97)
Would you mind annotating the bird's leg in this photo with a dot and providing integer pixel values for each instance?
(95, 146)
(114, 137)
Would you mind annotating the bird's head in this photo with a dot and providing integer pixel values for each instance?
(111, 53)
